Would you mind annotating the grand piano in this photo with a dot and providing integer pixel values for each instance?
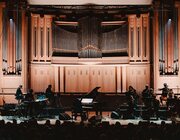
(91, 102)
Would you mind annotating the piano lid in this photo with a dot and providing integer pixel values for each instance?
(93, 93)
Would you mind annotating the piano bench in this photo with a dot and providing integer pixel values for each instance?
(83, 115)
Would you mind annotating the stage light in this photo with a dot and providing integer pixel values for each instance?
(90, 63)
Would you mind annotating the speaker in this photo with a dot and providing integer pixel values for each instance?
(64, 116)
(115, 115)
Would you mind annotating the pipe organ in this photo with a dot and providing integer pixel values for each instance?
(80, 73)
(12, 36)
(168, 50)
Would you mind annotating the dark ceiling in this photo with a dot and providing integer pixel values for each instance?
(106, 11)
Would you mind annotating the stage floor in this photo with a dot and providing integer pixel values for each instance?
(105, 118)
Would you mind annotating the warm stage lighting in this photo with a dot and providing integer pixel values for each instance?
(90, 63)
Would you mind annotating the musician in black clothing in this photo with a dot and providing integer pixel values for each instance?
(145, 92)
(29, 96)
(77, 109)
(29, 101)
(132, 95)
(49, 94)
(165, 92)
(19, 94)
(153, 104)
(132, 98)
(146, 96)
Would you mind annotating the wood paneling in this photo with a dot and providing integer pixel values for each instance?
(1, 29)
(41, 37)
(71, 79)
(85, 78)
(41, 76)
(138, 76)
(139, 38)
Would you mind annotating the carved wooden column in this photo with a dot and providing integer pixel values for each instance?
(124, 78)
(132, 40)
(119, 77)
(145, 38)
(24, 51)
(62, 78)
(41, 38)
(34, 38)
(1, 50)
(139, 38)
(48, 38)
(56, 78)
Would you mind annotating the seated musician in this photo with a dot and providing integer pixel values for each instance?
(171, 94)
(146, 96)
(165, 93)
(49, 94)
(77, 108)
(132, 98)
(29, 98)
(19, 94)
(154, 101)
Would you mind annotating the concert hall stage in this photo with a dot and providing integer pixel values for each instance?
(105, 118)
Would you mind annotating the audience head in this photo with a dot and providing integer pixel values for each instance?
(131, 88)
(165, 85)
(31, 91)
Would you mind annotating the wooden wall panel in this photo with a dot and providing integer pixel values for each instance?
(56, 79)
(138, 77)
(124, 78)
(41, 77)
(83, 79)
(61, 79)
(1, 29)
(119, 79)
(108, 79)
(96, 77)
(71, 79)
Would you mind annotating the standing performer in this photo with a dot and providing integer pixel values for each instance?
(165, 92)
(19, 94)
